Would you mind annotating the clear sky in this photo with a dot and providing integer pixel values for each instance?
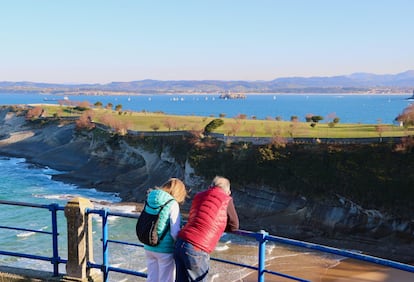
(99, 41)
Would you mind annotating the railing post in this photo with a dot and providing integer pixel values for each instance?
(80, 244)
(105, 249)
(56, 259)
(261, 238)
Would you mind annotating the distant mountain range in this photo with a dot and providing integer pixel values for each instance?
(354, 83)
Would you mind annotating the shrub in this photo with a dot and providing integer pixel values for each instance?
(35, 112)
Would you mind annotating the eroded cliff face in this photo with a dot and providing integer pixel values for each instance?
(109, 163)
(309, 217)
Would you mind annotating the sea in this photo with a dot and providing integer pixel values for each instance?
(25, 182)
(349, 108)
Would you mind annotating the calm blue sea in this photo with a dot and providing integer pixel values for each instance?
(349, 108)
(23, 182)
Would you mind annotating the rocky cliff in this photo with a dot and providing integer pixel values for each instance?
(112, 163)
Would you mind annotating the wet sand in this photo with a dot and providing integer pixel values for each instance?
(297, 262)
(345, 271)
(348, 271)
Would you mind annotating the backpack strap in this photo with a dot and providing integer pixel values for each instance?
(156, 208)
(163, 232)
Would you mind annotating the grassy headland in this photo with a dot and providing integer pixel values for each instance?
(153, 121)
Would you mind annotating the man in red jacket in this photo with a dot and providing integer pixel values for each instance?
(212, 212)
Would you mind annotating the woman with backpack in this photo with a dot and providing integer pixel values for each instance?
(164, 201)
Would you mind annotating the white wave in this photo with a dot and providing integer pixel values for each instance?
(26, 234)
(116, 207)
(98, 218)
(68, 197)
(221, 248)
(214, 277)
(269, 248)
(30, 233)
(55, 196)
(143, 269)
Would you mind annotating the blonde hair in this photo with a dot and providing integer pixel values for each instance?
(176, 188)
(222, 182)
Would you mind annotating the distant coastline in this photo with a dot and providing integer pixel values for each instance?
(245, 94)
(357, 83)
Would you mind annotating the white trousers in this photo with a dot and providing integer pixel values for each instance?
(160, 267)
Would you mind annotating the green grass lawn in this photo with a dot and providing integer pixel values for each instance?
(149, 121)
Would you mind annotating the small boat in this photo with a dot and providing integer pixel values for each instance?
(49, 99)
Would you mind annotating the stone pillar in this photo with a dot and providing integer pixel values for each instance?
(80, 244)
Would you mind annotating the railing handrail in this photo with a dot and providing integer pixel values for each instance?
(344, 253)
(261, 237)
(54, 259)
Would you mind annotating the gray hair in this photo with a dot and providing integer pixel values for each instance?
(221, 182)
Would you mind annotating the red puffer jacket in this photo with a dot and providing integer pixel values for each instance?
(207, 219)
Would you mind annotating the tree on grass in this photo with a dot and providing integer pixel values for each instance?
(170, 123)
(315, 120)
(118, 108)
(308, 117)
(109, 106)
(293, 127)
(155, 127)
(212, 125)
(380, 128)
(251, 130)
(98, 105)
(82, 106)
(234, 127)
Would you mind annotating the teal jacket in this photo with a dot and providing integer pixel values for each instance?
(157, 198)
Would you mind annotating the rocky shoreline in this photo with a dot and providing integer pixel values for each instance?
(130, 171)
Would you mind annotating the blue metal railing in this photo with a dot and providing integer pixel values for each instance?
(54, 259)
(261, 237)
(105, 266)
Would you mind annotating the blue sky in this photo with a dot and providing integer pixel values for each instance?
(88, 41)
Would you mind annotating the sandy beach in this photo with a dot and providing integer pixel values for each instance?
(346, 271)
